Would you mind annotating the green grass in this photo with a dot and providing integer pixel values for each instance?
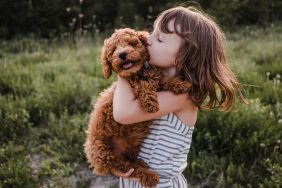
(46, 93)
(47, 89)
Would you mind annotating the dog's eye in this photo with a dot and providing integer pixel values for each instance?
(133, 42)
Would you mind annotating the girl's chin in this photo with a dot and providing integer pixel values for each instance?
(155, 64)
(151, 63)
(168, 71)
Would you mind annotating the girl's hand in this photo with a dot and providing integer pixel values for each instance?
(125, 175)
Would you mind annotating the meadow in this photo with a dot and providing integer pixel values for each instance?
(47, 88)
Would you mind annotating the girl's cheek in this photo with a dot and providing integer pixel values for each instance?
(151, 50)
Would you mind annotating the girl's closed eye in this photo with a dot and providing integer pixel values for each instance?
(159, 38)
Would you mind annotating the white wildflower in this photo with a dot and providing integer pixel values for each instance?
(68, 9)
(150, 9)
(267, 75)
(262, 145)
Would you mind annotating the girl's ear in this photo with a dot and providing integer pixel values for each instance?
(143, 36)
(107, 68)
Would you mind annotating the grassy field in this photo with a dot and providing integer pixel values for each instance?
(46, 92)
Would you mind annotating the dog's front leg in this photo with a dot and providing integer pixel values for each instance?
(175, 85)
(147, 95)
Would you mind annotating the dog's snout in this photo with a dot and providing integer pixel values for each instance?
(122, 55)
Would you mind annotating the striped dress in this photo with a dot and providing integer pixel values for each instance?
(165, 150)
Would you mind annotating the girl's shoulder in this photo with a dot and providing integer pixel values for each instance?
(188, 114)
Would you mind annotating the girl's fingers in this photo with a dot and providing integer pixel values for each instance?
(127, 174)
(121, 174)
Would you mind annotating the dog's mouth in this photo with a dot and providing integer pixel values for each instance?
(127, 65)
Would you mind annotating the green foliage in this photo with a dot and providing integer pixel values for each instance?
(14, 119)
(42, 85)
(14, 169)
(71, 129)
(240, 140)
(45, 96)
(54, 168)
(275, 170)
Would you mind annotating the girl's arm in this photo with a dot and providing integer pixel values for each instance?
(126, 109)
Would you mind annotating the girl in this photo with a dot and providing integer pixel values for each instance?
(187, 43)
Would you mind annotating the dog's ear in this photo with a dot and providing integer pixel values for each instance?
(107, 68)
(143, 36)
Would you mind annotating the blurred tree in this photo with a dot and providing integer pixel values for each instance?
(100, 13)
(48, 17)
(14, 18)
(55, 17)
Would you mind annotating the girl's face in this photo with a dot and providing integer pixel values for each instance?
(164, 47)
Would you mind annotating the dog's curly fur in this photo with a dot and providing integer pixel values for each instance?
(109, 144)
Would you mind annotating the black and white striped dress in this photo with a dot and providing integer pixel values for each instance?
(165, 150)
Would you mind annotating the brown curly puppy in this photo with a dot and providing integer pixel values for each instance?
(109, 144)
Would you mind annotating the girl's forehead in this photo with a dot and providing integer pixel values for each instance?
(165, 27)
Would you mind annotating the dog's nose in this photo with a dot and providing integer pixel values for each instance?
(122, 55)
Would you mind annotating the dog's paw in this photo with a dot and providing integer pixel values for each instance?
(181, 87)
(150, 179)
(151, 107)
(175, 85)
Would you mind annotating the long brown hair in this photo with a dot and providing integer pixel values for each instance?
(201, 59)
